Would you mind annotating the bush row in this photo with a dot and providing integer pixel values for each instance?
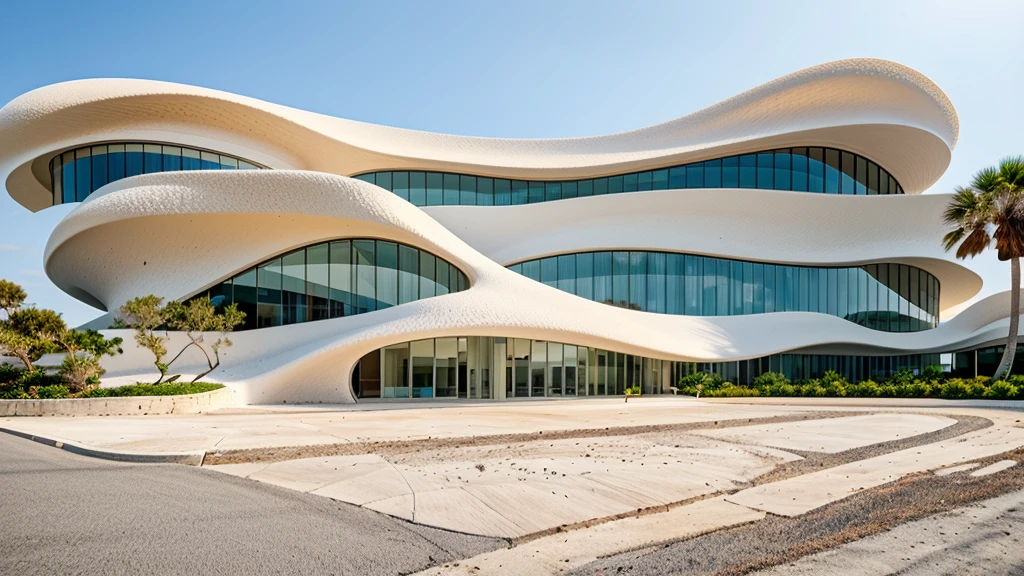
(931, 383)
(17, 384)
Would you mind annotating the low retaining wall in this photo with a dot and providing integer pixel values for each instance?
(120, 406)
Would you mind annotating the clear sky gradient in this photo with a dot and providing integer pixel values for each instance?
(508, 69)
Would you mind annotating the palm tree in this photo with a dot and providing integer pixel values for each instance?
(992, 209)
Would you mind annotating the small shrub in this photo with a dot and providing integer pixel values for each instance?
(52, 391)
(781, 390)
(900, 377)
(731, 391)
(58, 390)
(888, 390)
(12, 393)
(834, 384)
(173, 389)
(977, 389)
(9, 374)
(983, 380)
(703, 382)
(1001, 390)
(916, 389)
(865, 389)
(710, 381)
(769, 379)
(37, 378)
(812, 388)
(955, 389)
(930, 373)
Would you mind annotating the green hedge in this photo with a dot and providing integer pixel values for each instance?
(931, 383)
(175, 389)
(17, 384)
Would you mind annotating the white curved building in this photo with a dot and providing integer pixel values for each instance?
(781, 229)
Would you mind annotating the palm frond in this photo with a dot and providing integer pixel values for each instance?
(975, 243)
(953, 237)
(987, 179)
(1011, 172)
(966, 207)
(1008, 219)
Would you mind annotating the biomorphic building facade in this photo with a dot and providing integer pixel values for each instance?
(782, 229)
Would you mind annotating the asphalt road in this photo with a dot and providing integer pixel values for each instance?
(66, 514)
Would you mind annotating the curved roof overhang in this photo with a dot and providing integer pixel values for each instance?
(879, 109)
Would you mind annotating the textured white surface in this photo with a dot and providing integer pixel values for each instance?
(235, 219)
(879, 109)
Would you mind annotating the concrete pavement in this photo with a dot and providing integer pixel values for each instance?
(524, 488)
(278, 426)
(566, 479)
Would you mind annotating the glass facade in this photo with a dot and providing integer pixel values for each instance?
(808, 169)
(334, 279)
(77, 173)
(480, 367)
(984, 361)
(888, 297)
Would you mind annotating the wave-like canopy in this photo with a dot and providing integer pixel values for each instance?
(880, 110)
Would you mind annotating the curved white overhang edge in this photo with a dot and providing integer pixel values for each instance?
(177, 233)
(876, 108)
(192, 229)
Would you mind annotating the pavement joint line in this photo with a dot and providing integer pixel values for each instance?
(734, 489)
(190, 458)
(283, 453)
(886, 447)
(662, 543)
(810, 458)
(639, 512)
(856, 534)
(790, 555)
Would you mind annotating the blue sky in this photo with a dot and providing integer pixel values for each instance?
(511, 69)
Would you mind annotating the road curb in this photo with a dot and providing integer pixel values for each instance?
(193, 458)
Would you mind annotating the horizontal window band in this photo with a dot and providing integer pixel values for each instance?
(77, 173)
(886, 297)
(335, 279)
(800, 169)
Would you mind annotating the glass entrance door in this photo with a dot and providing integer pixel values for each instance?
(555, 383)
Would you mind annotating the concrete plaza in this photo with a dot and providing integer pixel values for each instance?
(569, 481)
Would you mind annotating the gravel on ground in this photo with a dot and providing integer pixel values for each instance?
(779, 540)
(983, 539)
